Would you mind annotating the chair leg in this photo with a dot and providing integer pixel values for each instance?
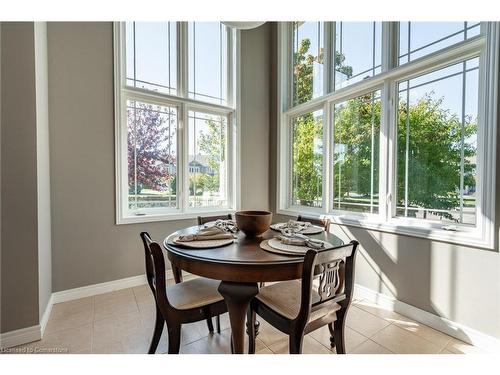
(332, 337)
(157, 332)
(251, 330)
(217, 323)
(210, 325)
(295, 343)
(174, 339)
(339, 331)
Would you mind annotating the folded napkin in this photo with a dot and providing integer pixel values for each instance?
(293, 225)
(301, 240)
(206, 234)
(227, 225)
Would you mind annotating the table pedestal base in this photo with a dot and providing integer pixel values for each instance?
(238, 297)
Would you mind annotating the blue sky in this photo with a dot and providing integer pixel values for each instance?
(156, 63)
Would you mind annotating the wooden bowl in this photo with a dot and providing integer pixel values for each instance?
(253, 223)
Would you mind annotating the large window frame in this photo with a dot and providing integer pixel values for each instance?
(485, 46)
(184, 104)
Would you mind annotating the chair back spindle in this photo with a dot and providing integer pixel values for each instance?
(207, 219)
(325, 223)
(334, 268)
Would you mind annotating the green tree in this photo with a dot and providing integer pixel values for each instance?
(213, 145)
(308, 131)
(435, 146)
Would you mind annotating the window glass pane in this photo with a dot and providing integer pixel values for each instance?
(358, 48)
(307, 166)
(151, 56)
(437, 145)
(417, 39)
(151, 155)
(207, 48)
(307, 61)
(356, 154)
(207, 163)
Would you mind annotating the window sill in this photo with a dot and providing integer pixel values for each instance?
(159, 217)
(463, 236)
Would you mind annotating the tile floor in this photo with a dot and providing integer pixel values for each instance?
(122, 322)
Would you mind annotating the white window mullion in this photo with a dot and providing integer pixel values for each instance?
(182, 59)
(328, 59)
(183, 154)
(326, 178)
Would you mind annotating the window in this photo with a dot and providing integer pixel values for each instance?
(208, 61)
(207, 160)
(398, 139)
(437, 144)
(307, 149)
(151, 51)
(355, 159)
(358, 48)
(417, 39)
(308, 60)
(175, 119)
(151, 155)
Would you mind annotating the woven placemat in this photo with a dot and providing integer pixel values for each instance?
(314, 229)
(265, 246)
(205, 244)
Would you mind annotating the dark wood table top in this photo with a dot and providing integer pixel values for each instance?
(241, 261)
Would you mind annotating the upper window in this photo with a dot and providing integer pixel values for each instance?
(395, 138)
(417, 39)
(151, 52)
(358, 48)
(167, 74)
(208, 51)
(307, 61)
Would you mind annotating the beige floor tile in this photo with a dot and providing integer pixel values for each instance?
(309, 346)
(126, 329)
(268, 334)
(378, 311)
(218, 344)
(399, 340)
(438, 338)
(266, 350)
(114, 347)
(70, 314)
(363, 322)
(370, 347)
(460, 347)
(71, 340)
(143, 296)
(352, 338)
(115, 303)
(445, 351)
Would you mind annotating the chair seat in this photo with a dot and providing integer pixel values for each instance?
(194, 293)
(284, 298)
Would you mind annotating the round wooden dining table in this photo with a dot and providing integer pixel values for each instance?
(240, 266)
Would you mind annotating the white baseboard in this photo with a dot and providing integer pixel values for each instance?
(46, 315)
(451, 328)
(20, 336)
(95, 289)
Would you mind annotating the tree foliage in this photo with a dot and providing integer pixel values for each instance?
(213, 145)
(150, 138)
(435, 145)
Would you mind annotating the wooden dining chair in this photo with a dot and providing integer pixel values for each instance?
(207, 219)
(297, 308)
(325, 223)
(186, 302)
(203, 220)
